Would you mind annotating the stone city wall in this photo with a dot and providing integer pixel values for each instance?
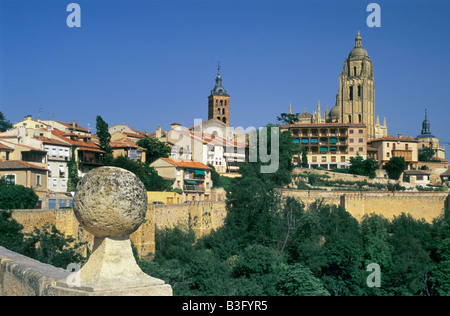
(205, 216)
(426, 205)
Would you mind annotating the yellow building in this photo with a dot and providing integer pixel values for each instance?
(162, 197)
(383, 149)
(192, 177)
(329, 145)
(426, 139)
(30, 175)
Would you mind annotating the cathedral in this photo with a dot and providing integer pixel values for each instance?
(355, 100)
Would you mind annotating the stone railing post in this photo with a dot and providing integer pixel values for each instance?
(111, 204)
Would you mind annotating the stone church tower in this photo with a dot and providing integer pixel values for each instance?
(219, 102)
(355, 101)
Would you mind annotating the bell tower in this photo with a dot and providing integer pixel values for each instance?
(356, 96)
(219, 101)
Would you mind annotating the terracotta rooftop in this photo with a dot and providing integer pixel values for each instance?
(19, 164)
(124, 143)
(186, 164)
(392, 138)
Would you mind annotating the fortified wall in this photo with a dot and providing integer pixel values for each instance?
(202, 216)
(426, 205)
(205, 216)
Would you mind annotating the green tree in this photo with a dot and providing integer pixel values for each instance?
(148, 175)
(304, 158)
(17, 197)
(11, 236)
(426, 154)
(286, 118)
(364, 167)
(104, 138)
(72, 177)
(297, 280)
(395, 167)
(4, 123)
(49, 245)
(154, 149)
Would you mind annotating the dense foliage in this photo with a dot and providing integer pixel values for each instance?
(17, 197)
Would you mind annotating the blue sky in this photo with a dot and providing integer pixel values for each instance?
(150, 63)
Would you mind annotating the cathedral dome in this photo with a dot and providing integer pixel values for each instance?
(334, 112)
(304, 115)
(358, 50)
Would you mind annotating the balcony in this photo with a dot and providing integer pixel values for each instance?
(193, 186)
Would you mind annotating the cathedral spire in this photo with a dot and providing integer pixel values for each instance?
(426, 125)
(358, 40)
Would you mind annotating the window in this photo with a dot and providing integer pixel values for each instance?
(352, 149)
(360, 149)
(360, 131)
(38, 180)
(225, 102)
(324, 158)
(359, 91)
(351, 131)
(387, 145)
(221, 102)
(10, 179)
(359, 118)
(333, 158)
(406, 146)
(361, 140)
(349, 118)
(351, 93)
(314, 159)
(351, 140)
(342, 158)
(354, 70)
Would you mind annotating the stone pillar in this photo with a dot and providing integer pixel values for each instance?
(110, 203)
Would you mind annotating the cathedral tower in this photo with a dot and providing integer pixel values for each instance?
(355, 101)
(219, 101)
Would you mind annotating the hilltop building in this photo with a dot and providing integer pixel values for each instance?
(355, 100)
(426, 139)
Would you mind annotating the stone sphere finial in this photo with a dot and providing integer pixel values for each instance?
(110, 202)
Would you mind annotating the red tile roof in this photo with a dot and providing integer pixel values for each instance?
(19, 164)
(124, 143)
(392, 138)
(79, 143)
(186, 164)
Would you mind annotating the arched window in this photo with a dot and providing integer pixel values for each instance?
(225, 102)
(351, 93)
(354, 71)
(223, 111)
(218, 111)
(359, 118)
(224, 120)
(349, 118)
(221, 102)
